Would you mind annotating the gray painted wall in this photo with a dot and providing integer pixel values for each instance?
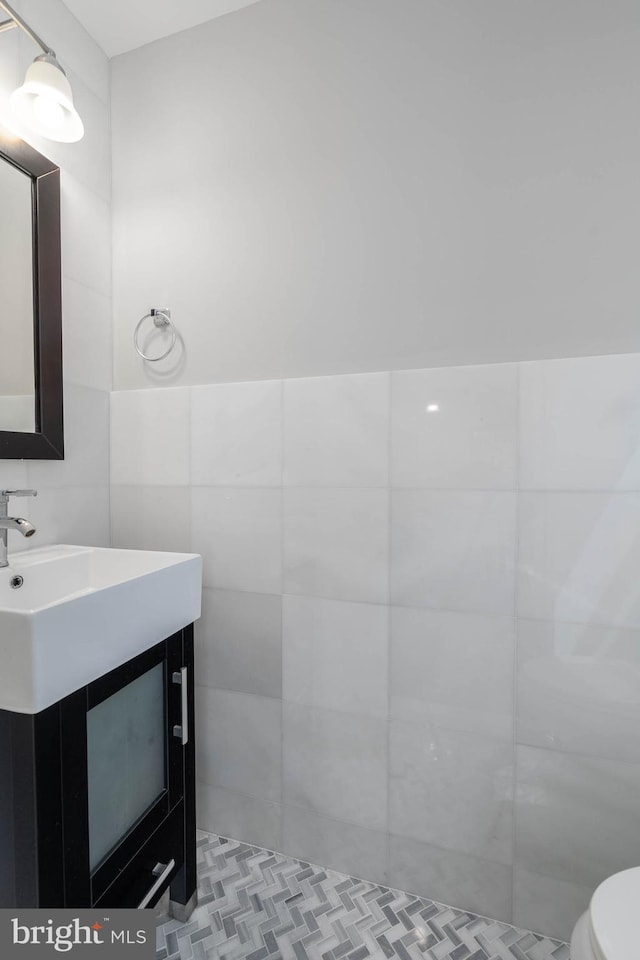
(321, 186)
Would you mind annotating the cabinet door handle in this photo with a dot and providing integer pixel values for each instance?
(161, 871)
(181, 730)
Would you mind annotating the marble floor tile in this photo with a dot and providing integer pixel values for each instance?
(259, 905)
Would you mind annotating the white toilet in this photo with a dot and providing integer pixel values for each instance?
(609, 928)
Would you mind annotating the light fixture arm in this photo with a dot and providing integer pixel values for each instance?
(17, 21)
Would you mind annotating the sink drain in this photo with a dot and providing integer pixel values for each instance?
(16, 582)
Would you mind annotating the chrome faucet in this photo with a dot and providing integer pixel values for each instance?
(12, 523)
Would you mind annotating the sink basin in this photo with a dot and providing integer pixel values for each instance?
(82, 611)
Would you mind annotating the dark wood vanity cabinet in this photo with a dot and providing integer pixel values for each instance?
(97, 792)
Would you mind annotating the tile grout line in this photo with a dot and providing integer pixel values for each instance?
(389, 610)
(516, 579)
(282, 596)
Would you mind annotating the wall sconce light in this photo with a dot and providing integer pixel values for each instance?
(44, 102)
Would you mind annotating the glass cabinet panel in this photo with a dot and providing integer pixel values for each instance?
(126, 738)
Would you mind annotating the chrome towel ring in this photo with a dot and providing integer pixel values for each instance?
(161, 318)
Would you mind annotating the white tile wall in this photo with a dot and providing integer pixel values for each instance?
(581, 424)
(453, 550)
(373, 655)
(455, 428)
(336, 431)
(579, 557)
(236, 437)
(73, 501)
(453, 670)
(336, 764)
(239, 534)
(336, 543)
(335, 655)
(451, 789)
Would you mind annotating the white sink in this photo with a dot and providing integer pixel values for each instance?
(81, 611)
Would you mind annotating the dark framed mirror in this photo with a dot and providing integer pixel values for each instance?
(31, 403)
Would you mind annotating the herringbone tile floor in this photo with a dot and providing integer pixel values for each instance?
(257, 905)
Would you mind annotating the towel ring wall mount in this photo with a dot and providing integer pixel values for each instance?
(161, 319)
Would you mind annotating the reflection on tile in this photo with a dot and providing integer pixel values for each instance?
(236, 815)
(337, 431)
(580, 424)
(150, 437)
(549, 904)
(239, 742)
(238, 642)
(336, 544)
(236, 434)
(342, 846)
(239, 534)
(577, 817)
(579, 689)
(579, 557)
(455, 427)
(336, 764)
(468, 882)
(450, 789)
(454, 670)
(335, 655)
(151, 518)
(453, 550)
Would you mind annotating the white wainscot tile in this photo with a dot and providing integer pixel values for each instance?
(336, 764)
(337, 431)
(239, 642)
(13, 474)
(86, 443)
(580, 424)
(579, 557)
(451, 789)
(335, 655)
(454, 670)
(336, 544)
(150, 437)
(151, 518)
(230, 814)
(453, 550)
(579, 689)
(78, 515)
(334, 844)
(577, 817)
(453, 878)
(236, 434)
(239, 534)
(548, 905)
(240, 742)
(455, 427)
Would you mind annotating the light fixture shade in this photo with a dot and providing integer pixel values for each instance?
(45, 102)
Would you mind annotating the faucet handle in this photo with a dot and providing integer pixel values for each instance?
(5, 494)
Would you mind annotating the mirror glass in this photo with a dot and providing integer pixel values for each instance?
(17, 376)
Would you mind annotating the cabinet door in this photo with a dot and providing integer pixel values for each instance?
(122, 767)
